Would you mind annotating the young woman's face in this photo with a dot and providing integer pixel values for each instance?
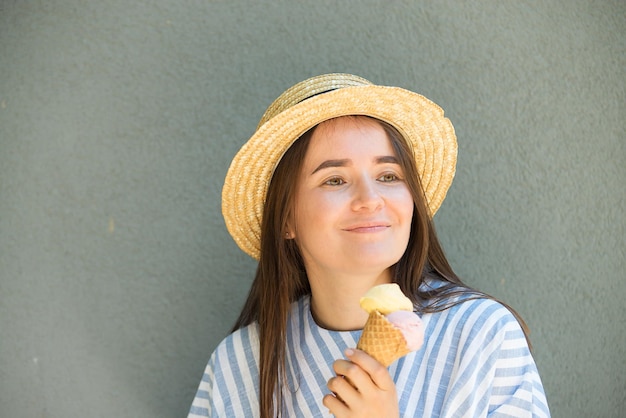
(353, 209)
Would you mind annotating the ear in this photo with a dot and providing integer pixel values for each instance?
(290, 233)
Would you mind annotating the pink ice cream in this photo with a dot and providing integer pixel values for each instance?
(411, 327)
(389, 301)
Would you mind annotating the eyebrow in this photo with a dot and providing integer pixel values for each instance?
(386, 159)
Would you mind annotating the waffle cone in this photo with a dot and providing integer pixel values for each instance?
(381, 340)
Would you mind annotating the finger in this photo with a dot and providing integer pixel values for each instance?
(335, 406)
(375, 371)
(352, 373)
(342, 367)
(344, 390)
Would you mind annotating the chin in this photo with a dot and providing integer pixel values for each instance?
(375, 262)
(381, 252)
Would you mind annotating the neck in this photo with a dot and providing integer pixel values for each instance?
(335, 301)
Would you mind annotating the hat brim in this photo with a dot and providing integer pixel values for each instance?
(420, 121)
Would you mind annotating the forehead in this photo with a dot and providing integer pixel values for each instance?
(329, 127)
(349, 133)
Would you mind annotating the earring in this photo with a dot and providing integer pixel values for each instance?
(287, 235)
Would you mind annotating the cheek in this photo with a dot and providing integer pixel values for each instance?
(318, 205)
(404, 203)
(405, 214)
(309, 215)
(319, 213)
(316, 220)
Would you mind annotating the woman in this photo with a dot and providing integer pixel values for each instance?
(333, 194)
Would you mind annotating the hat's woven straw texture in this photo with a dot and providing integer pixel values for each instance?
(419, 120)
(309, 88)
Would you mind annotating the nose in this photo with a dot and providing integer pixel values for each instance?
(367, 196)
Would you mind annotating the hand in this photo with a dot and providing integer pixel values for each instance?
(362, 388)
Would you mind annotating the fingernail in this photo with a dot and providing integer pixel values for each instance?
(349, 352)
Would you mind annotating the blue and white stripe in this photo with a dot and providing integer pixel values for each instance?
(475, 362)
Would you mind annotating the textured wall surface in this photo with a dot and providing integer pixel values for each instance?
(117, 123)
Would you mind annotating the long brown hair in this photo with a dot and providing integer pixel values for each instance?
(281, 277)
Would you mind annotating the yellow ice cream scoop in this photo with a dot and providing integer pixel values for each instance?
(385, 298)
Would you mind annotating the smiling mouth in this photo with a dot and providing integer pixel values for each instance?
(364, 229)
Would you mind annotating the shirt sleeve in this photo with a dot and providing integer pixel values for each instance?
(494, 374)
(228, 385)
(200, 405)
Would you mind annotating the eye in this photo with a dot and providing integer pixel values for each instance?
(388, 178)
(334, 181)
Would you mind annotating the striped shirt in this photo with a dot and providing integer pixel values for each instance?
(475, 362)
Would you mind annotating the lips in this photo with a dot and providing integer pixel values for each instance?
(368, 227)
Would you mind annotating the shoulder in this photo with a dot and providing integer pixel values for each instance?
(229, 382)
(475, 309)
(477, 323)
(467, 308)
(243, 342)
(482, 360)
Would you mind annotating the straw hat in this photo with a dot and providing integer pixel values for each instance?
(310, 102)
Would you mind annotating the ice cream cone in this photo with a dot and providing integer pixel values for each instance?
(381, 340)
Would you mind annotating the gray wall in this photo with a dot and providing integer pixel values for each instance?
(117, 123)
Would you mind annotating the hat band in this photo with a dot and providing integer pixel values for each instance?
(310, 88)
(317, 94)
